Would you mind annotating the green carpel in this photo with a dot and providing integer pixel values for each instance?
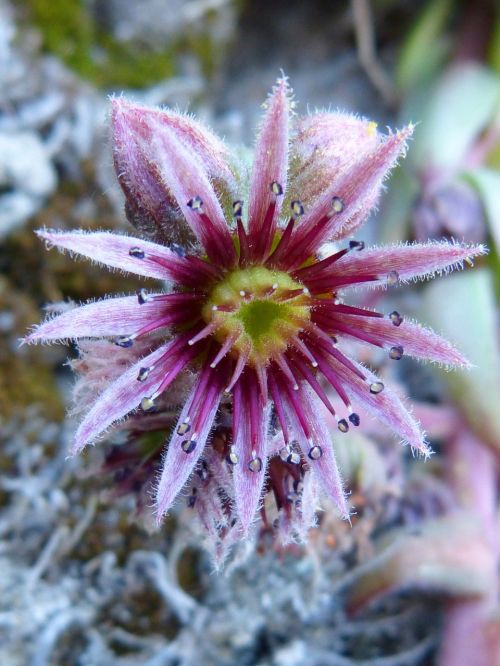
(259, 318)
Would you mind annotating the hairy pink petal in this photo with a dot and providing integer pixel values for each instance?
(415, 339)
(250, 441)
(150, 204)
(144, 190)
(271, 158)
(112, 250)
(325, 145)
(385, 406)
(121, 397)
(133, 120)
(177, 464)
(356, 188)
(211, 151)
(325, 468)
(186, 178)
(108, 317)
(410, 261)
(359, 218)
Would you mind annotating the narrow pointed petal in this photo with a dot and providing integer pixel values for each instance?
(149, 204)
(108, 317)
(211, 151)
(385, 406)
(121, 397)
(356, 189)
(250, 444)
(131, 121)
(325, 145)
(325, 467)
(416, 340)
(179, 464)
(185, 177)
(271, 158)
(416, 260)
(113, 250)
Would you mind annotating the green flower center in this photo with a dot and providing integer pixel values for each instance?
(260, 310)
(260, 317)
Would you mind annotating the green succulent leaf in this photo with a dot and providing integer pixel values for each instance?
(462, 307)
(448, 555)
(487, 183)
(424, 48)
(461, 105)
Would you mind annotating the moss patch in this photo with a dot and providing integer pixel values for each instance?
(70, 31)
(25, 376)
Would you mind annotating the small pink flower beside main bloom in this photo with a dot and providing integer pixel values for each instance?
(252, 314)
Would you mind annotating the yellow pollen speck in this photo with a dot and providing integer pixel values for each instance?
(371, 128)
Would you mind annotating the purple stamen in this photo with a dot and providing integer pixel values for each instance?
(255, 410)
(238, 368)
(324, 285)
(301, 346)
(283, 243)
(315, 270)
(298, 409)
(244, 246)
(262, 243)
(339, 325)
(302, 247)
(204, 333)
(339, 308)
(325, 345)
(283, 366)
(314, 384)
(332, 377)
(227, 345)
(278, 405)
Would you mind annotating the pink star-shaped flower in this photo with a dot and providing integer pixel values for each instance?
(250, 308)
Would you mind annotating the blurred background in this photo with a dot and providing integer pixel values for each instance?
(414, 580)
